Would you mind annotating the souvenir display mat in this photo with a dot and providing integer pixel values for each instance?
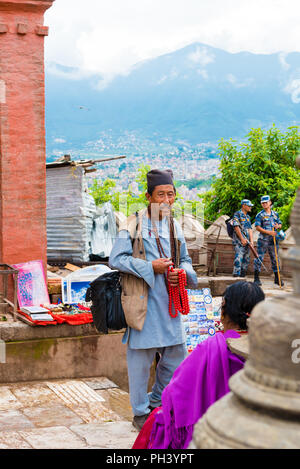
(203, 319)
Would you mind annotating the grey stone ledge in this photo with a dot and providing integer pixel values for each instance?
(19, 331)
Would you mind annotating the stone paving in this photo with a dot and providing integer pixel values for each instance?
(270, 289)
(65, 414)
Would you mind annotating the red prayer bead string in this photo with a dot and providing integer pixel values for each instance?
(178, 295)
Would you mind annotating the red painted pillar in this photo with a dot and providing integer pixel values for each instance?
(22, 131)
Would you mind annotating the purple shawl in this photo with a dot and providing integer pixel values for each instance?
(199, 381)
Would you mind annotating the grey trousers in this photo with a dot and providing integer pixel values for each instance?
(139, 362)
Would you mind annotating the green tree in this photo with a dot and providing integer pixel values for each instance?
(126, 201)
(264, 164)
(102, 192)
(130, 202)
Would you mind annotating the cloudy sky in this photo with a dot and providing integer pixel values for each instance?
(109, 36)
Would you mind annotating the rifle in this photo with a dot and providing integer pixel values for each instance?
(252, 248)
(277, 263)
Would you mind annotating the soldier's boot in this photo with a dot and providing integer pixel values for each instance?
(243, 273)
(276, 279)
(256, 278)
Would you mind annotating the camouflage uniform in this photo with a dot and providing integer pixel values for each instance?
(242, 253)
(266, 242)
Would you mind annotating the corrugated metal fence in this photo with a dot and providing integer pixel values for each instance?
(71, 215)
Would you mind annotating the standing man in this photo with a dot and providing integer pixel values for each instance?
(158, 243)
(241, 238)
(267, 222)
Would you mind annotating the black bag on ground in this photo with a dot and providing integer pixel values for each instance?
(105, 294)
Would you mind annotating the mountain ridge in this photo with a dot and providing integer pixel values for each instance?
(196, 94)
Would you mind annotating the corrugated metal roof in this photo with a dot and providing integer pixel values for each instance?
(66, 161)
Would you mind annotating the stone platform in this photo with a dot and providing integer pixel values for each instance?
(65, 414)
(217, 284)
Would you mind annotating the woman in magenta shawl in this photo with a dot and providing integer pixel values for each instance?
(202, 378)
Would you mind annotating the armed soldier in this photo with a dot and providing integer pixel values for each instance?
(241, 238)
(267, 222)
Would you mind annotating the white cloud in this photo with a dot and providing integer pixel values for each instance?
(162, 79)
(283, 62)
(203, 73)
(201, 56)
(109, 37)
(171, 76)
(231, 78)
(237, 83)
(60, 140)
(293, 88)
(70, 73)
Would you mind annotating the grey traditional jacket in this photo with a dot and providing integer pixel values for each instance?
(134, 289)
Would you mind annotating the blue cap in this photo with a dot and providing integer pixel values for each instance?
(265, 198)
(247, 202)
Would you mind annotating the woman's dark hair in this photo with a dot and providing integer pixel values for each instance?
(240, 298)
